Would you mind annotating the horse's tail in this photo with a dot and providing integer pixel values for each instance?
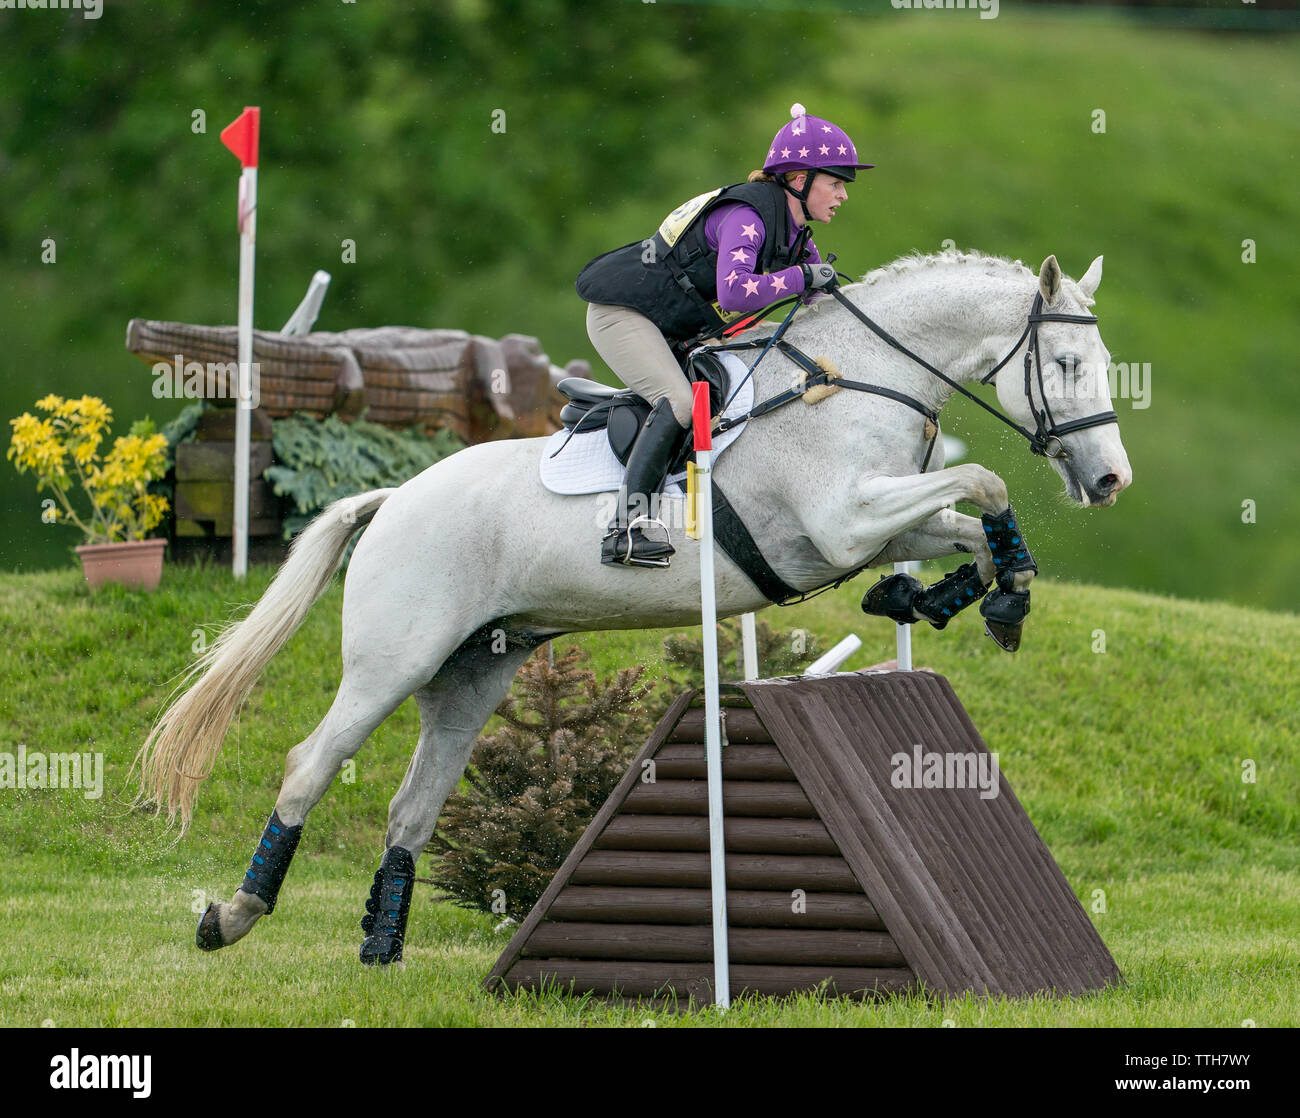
(179, 752)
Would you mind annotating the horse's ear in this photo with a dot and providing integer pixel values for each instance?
(1049, 280)
(1091, 279)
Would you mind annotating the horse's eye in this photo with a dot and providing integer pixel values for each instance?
(1068, 363)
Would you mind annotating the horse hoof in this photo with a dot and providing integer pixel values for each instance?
(208, 937)
(1006, 637)
(892, 597)
(1004, 614)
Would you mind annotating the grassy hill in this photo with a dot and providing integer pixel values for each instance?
(982, 132)
(1129, 761)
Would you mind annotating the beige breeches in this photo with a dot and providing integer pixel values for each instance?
(632, 346)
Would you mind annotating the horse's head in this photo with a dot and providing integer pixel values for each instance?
(1074, 384)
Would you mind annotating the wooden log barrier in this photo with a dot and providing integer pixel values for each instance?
(694, 944)
(739, 797)
(753, 908)
(636, 979)
(752, 836)
(657, 868)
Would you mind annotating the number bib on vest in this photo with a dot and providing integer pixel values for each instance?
(676, 222)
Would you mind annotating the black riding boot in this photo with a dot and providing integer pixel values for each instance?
(647, 466)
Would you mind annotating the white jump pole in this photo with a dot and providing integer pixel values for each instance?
(828, 663)
(241, 137)
(712, 711)
(749, 645)
(904, 632)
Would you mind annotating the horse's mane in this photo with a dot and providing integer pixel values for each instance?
(917, 261)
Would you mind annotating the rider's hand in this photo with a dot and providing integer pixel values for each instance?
(817, 276)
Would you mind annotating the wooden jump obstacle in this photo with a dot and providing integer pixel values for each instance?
(835, 875)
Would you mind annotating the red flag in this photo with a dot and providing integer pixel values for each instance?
(240, 136)
(700, 416)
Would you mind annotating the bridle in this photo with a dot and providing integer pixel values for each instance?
(1046, 430)
(1045, 427)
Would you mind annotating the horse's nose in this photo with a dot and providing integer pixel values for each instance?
(1110, 484)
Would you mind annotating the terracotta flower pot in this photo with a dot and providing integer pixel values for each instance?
(134, 563)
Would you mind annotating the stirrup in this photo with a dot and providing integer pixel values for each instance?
(628, 558)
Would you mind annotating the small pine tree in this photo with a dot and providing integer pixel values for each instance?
(534, 784)
(779, 653)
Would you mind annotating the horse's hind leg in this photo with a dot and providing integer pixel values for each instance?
(453, 708)
(363, 701)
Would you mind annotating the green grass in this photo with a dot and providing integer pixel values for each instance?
(1128, 762)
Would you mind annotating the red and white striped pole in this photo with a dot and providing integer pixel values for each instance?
(241, 137)
(712, 717)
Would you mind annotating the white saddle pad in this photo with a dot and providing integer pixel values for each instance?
(587, 465)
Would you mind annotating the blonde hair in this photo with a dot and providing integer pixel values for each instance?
(763, 176)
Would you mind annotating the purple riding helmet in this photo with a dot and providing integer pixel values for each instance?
(809, 143)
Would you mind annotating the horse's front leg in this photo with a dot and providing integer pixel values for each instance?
(881, 508)
(946, 533)
(909, 512)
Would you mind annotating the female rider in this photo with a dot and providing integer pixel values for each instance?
(716, 258)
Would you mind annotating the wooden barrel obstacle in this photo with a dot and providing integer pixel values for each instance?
(478, 387)
(835, 878)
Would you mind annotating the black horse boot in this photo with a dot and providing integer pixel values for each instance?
(647, 465)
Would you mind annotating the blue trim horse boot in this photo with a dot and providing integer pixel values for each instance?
(387, 908)
(903, 599)
(263, 878)
(1007, 606)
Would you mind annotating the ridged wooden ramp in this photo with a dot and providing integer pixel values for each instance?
(836, 877)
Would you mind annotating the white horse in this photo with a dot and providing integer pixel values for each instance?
(467, 568)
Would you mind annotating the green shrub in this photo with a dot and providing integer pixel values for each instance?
(321, 461)
(534, 785)
(779, 653)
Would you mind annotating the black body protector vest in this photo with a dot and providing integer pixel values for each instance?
(671, 278)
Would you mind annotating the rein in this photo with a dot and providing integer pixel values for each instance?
(1046, 429)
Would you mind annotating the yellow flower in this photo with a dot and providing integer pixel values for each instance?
(117, 485)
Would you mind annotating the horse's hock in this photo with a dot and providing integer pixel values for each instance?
(480, 388)
(848, 868)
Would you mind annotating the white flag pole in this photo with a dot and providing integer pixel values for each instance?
(241, 137)
(712, 705)
(243, 414)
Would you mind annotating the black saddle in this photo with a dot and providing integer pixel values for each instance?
(621, 412)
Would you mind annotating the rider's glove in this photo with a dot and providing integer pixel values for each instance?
(817, 276)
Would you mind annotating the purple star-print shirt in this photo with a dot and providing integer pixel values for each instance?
(737, 232)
